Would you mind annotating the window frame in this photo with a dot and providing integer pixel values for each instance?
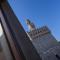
(16, 43)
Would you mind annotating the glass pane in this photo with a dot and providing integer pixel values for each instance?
(4, 48)
(41, 12)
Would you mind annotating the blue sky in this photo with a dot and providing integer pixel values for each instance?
(41, 12)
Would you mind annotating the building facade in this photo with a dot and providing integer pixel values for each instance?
(16, 45)
(45, 43)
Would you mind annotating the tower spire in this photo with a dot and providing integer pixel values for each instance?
(31, 25)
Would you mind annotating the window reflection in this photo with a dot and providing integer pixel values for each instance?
(1, 32)
(5, 53)
(4, 48)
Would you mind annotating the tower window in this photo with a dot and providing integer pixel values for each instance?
(58, 57)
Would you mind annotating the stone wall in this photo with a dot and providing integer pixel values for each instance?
(45, 43)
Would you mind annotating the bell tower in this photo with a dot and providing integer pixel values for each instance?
(31, 25)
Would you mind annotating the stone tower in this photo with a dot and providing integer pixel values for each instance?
(30, 25)
(45, 43)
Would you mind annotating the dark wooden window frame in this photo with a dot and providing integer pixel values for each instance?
(19, 43)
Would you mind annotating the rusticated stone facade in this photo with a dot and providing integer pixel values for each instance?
(45, 43)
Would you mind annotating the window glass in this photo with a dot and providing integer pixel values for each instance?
(5, 53)
(1, 32)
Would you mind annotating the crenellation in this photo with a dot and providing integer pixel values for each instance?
(39, 32)
(45, 43)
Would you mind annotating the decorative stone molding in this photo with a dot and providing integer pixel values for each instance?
(39, 32)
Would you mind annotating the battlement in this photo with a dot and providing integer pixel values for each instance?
(39, 32)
